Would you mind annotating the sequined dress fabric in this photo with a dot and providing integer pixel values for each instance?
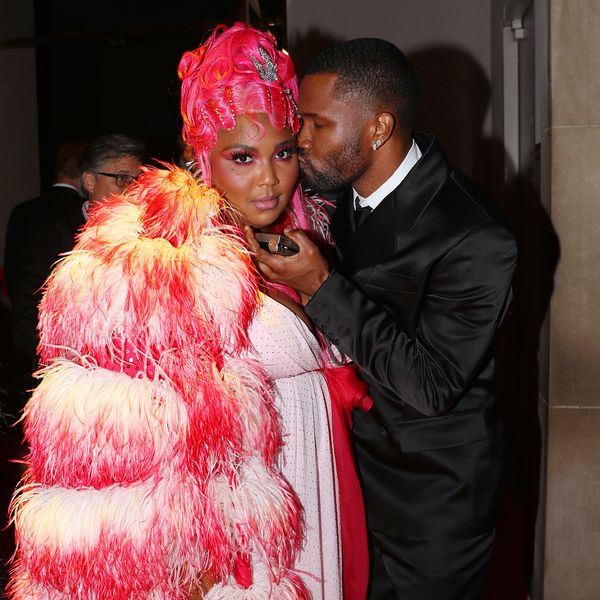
(291, 356)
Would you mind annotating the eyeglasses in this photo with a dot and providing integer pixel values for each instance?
(122, 179)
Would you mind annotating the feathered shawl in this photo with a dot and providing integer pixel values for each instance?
(153, 446)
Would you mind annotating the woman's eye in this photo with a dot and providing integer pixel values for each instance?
(286, 153)
(241, 158)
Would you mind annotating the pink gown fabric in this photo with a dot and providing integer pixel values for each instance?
(291, 356)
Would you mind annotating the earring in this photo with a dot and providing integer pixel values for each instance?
(376, 145)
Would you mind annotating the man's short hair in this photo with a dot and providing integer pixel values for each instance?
(372, 72)
(110, 147)
(68, 159)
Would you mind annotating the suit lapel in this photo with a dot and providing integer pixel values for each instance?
(342, 222)
(388, 227)
(371, 242)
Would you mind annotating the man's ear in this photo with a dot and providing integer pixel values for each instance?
(89, 181)
(385, 123)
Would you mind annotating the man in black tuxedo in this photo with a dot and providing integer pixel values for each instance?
(109, 164)
(61, 200)
(22, 243)
(421, 286)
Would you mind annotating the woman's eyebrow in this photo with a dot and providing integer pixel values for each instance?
(240, 147)
(291, 140)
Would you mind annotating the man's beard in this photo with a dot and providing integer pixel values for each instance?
(339, 170)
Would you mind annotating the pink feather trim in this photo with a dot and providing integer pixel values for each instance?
(141, 480)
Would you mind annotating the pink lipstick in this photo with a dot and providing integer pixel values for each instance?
(266, 202)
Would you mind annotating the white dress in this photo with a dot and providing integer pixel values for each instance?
(291, 357)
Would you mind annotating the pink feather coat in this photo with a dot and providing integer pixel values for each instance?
(153, 445)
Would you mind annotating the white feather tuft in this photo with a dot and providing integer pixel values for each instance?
(258, 502)
(263, 587)
(81, 418)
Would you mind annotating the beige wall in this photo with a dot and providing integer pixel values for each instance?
(413, 25)
(449, 43)
(19, 164)
(572, 175)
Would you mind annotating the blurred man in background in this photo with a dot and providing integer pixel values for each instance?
(108, 166)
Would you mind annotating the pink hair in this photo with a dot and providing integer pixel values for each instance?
(220, 81)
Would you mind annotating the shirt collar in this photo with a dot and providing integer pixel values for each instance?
(66, 185)
(375, 199)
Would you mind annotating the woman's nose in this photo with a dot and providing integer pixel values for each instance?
(268, 175)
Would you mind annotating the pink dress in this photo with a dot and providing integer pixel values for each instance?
(291, 356)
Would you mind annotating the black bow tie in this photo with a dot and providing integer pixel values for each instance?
(361, 213)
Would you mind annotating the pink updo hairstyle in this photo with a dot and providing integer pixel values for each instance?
(221, 81)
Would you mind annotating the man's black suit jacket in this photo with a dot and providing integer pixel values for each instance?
(43, 245)
(421, 289)
(57, 203)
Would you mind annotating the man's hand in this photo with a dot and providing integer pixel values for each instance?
(304, 271)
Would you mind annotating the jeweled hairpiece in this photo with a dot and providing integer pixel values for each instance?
(268, 70)
(290, 96)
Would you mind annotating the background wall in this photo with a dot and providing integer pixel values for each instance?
(19, 169)
(449, 44)
(571, 178)
(411, 24)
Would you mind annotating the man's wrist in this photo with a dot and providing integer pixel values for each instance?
(319, 280)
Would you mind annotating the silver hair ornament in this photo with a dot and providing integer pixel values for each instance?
(290, 96)
(268, 70)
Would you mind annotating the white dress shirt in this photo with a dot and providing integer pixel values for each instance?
(375, 199)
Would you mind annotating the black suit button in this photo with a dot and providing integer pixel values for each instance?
(383, 432)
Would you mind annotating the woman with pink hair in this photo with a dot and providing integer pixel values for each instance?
(180, 438)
